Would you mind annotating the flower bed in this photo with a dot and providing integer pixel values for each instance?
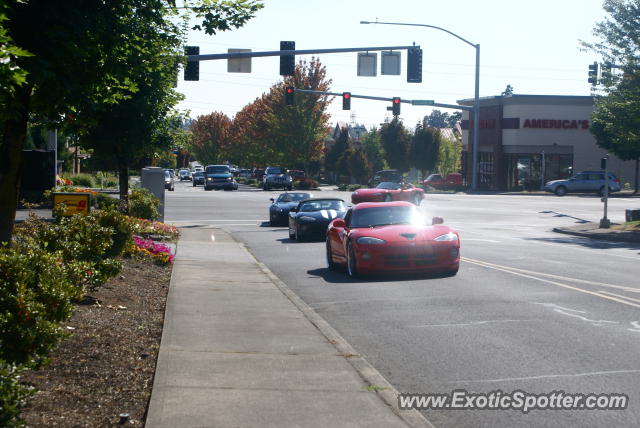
(146, 248)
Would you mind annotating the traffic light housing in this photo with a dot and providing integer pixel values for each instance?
(603, 163)
(287, 62)
(346, 101)
(288, 95)
(593, 74)
(395, 106)
(414, 65)
(192, 69)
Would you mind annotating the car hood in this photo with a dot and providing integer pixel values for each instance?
(223, 175)
(277, 175)
(551, 183)
(325, 215)
(404, 232)
(368, 191)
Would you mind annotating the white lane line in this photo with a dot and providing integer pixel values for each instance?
(550, 376)
(618, 295)
(562, 278)
(636, 326)
(478, 239)
(472, 323)
(570, 287)
(553, 305)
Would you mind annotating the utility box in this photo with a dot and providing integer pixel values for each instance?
(632, 215)
(152, 178)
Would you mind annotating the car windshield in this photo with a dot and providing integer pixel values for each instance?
(293, 197)
(218, 169)
(383, 216)
(167, 175)
(389, 185)
(275, 170)
(434, 177)
(319, 205)
(198, 174)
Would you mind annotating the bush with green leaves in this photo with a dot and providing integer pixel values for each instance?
(104, 201)
(13, 394)
(342, 187)
(85, 180)
(143, 204)
(354, 187)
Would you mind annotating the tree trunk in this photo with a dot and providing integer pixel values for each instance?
(14, 132)
(123, 179)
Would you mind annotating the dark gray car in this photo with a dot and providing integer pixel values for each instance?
(583, 182)
(277, 177)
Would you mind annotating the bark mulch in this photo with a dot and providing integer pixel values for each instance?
(105, 367)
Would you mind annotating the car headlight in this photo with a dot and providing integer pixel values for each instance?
(447, 237)
(307, 218)
(229, 179)
(209, 179)
(370, 240)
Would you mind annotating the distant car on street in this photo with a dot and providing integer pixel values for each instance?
(279, 209)
(583, 182)
(244, 173)
(198, 178)
(386, 175)
(219, 177)
(388, 191)
(437, 181)
(184, 174)
(277, 177)
(311, 217)
(169, 181)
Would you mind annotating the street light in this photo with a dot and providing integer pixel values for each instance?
(476, 103)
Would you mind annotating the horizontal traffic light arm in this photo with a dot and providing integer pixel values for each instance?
(368, 97)
(207, 57)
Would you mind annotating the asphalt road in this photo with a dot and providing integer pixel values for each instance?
(530, 309)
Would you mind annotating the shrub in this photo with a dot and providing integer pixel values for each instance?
(104, 202)
(354, 187)
(13, 395)
(306, 184)
(35, 298)
(143, 204)
(106, 180)
(121, 226)
(85, 180)
(156, 229)
(251, 181)
(342, 187)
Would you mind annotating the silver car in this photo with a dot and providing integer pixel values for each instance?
(583, 182)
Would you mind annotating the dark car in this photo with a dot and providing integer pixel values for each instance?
(184, 174)
(584, 182)
(311, 218)
(388, 175)
(219, 177)
(198, 178)
(168, 181)
(279, 209)
(277, 177)
(257, 173)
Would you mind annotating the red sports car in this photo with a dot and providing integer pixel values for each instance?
(387, 192)
(391, 237)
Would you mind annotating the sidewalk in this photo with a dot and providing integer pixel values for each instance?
(239, 349)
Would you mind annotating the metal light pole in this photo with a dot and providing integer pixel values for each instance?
(476, 102)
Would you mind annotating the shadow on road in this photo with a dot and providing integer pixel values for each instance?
(340, 276)
(588, 243)
(556, 214)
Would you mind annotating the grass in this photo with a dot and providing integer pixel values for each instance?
(632, 226)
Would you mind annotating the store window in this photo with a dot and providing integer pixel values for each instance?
(525, 172)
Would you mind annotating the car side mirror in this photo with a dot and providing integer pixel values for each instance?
(339, 223)
(272, 200)
(437, 220)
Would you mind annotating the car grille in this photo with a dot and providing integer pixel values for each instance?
(416, 256)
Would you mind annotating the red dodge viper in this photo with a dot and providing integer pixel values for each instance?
(387, 192)
(391, 237)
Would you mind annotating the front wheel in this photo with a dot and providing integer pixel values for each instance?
(417, 200)
(292, 235)
(387, 198)
(330, 263)
(352, 264)
(561, 191)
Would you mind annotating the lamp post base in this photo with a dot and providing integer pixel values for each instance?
(605, 223)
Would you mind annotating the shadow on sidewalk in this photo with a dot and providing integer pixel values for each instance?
(599, 244)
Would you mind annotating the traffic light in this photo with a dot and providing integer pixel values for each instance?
(192, 69)
(346, 101)
(593, 74)
(414, 65)
(395, 106)
(603, 163)
(287, 62)
(288, 95)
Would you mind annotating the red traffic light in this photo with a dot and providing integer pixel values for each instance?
(288, 95)
(396, 100)
(346, 101)
(347, 95)
(396, 106)
(289, 90)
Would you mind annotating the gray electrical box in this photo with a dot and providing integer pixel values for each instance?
(152, 178)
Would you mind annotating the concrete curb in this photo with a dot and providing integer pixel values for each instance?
(620, 236)
(367, 372)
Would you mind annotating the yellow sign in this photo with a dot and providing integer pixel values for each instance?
(76, 203)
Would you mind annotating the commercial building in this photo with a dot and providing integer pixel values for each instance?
(525, 140)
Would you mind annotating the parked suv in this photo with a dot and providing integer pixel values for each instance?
(277, 177)
(219, 177)
(583, 182)
(386, 175)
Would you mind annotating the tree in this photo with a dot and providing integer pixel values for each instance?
(211, 138)
(373, 149)
(396, 142)
(615, 118)
(56, 56)
(336, 151)
(449, 156)
(508, 91)
(436, 119)
(425, 147)
(359, 166)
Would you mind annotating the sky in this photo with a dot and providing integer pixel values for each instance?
(534, 46)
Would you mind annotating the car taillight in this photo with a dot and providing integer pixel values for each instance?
(617, 180)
